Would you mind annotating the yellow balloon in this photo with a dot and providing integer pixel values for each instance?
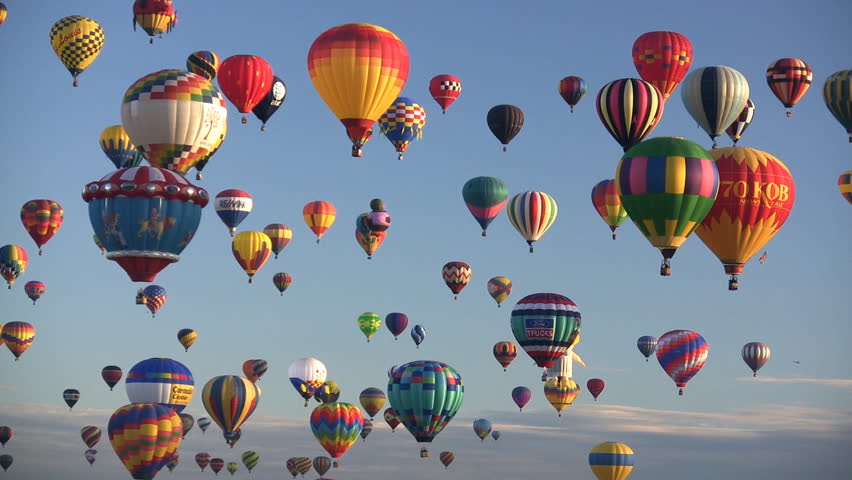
(251, 249)
(611, 461)
(77, 41)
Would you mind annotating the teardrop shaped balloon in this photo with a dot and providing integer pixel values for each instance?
(445, 89)
(366, 429)
(307, 375)
(232, 467)
(402, 123)
(118, 148)
(714, 97)
(270, 103)
(485, 197)
(111, 375)
(34, 290)
(755, 355)
(71, 396)
(336, 427)
(202, 459)
(204, 63)
(77, 41)
(173, 461)
(155, 297)
(629, 109)
(647, 345)
(368, 240)
(456, 275)
(155, 17)
(495, 434)
(203, 423)
(844, 184)
(736, 130)
(160, 380)
(499, 288)
(322, 464)
(482, 427)
(6, 461)
(280, 235)
(187, 422)
(217, 464)
(282, 281)
(250, 459)
(144, 436)
(369, 323)
(13, 263)
(254, 369)
(319, 216)
(521, 396)
(372, 399)
(505, 352)
(837, 95)
(572, 89)
(532, 214)
(186, 337)
(233, 206)
(358, 69)
(662, 59)
(6, 432)
(91, 435)
(230, 400)
(667, 185)
(391, 418)
(42, 219)
(611, 461)
(446, 458)
(682, 353)
(418, 334)
(90, 455)
(789, 79)
(595, 387)
(561, 392)
(18, 336)
(251, 249)
(245, 80)
(396, 323)
(608, 204)
(545, 325)
(505, 122)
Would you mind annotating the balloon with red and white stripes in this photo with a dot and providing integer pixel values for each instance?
(532, 213)
(755, 355)
(682, 353)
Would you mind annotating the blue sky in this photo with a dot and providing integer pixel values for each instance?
(789, 421)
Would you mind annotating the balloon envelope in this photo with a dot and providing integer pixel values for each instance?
(611, 461)
(445, 89)
(230, 401)
(144, 436)
(160, 380)
(426, 395)
(545, 325)
(682, 353)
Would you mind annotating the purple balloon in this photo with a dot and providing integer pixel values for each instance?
(397, 323)
(521, 396)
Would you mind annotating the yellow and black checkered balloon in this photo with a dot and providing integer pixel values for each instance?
(77, 41)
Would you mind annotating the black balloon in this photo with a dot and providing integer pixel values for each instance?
(270, 103)
(505, 121)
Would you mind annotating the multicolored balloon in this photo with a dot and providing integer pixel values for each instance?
(572, 89)
(319, 216)
(372, 399)
(250, 459)
(160, 380)
(230, 400)
(18, 336)
(282, 281)
(446, 458)
(499, 288)
(595, 387)
(445, 89)
(396, 323)
(505, 122)
(418, 334)
(154, 298)
(369, 323)
(667, 185)
(714, 98)
(328, 392)
(34, 290)
(217, 464)
(269, 104)
(789, 79)
(303, 465)
(608, 204)
(42, 219)
(532, 214)
(611, 461)
(232, 467)
(144, 436)
(254, 369)
(561, 392)
(203, 423)
(145, 217)
(111, 375)
(844, 184)
(3, 12)
(202, 459)
(307, 375)
(154, 16)
(505, 352)
(545, 325)
(482, 427)
(251, 249)
(755, 355)
(485, 197)
(186, 337)
(204, 63)
(77, 41)
(391, 418)
(233, 206)
(118, 148)
(630, 109)
(366, 429)
(321, 464)
(521, 396)
(735, 130)
(647, 345)
(13, 263)
(91, 435)
(6, 433)
(358, 69)
(456, 275)
(681, 353)
(336, 426)
(245, 80)
(662, 59)
(403, 123)
(280, 235)
(837, 95)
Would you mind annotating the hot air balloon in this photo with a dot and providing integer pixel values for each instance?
(77, 41)
(756, 195)
(203, 423)
(34, 290)
(403, 123)
(232, 467)
(844, 184)
(230, 401)
(572, 89)
(532, 214)
(174, 117)
(505, 352)
(41, 219)
(202, 161)
(186, 337)
(456, 276)
(735, 130)
(366, 429)
(173, 462)
(336, 426)
(145, 217)
(202, 459)
(319, 216)
(204, 63)
(269, 104)
(5, 434)
(495, 434)
(667, 185)
(13, 263)
(418, 334)
(681, 353)
(396, 323)
(280, 235)
(91, 435)
(561, 392)
(369, 323)
(250, 459)
(611, 461)
(155, 297)
(445, 89)
(545, 325)
(90, 455)
(505, 122)
(482, 427)
(118, 148)
(3, 12)
(282, 280)
(595, 387)
(254, 369)
(446, 458)
(485, 197)
(608, 205)
(647, 345)
(321, 465)
(391, 418)
(144, 436)
(187, 423)
(154, 16)
(233, 206)
(6, 461)
(307, 375)
(629, 109)
(426, 395)
(714, 97)
(499, 288)
(303, 465)
(837, 95)
(217, 464)
(789, 79)
(18, 336)
(358, 69)
(245, 80)
(367, 240)
(160, 380)
(328, 392)
(251, 250)
(372, 399)
(292, 466)
(755, 355)
(111, 375)
(521, 396)
(662, 59)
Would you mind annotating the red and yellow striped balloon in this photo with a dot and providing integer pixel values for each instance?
(251, 249)
(18, 336)
(844, 183)
(319, 216)
(608, 204)
(13, 262)
(358, 69)
(561, 392)
(756, 194)
(42, 218)
(145, 436)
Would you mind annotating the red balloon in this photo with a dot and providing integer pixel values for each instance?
(595, 386)
(245, 80)
(445, 89)
(662, 59)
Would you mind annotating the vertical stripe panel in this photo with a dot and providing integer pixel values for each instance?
(637, 175)
(655, 177)
(676, 174)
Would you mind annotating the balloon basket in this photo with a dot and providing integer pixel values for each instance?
(424, 453)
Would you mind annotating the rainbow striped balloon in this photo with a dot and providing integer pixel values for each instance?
(18, 336)
(611, 461)
(91, 435)
(499, 288)
(336, 426)
(144, 436)
(682, 353)
(561, 392)
(13, 262)
(608, 204)
(230, 401)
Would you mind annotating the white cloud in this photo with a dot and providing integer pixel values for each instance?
(825, 382)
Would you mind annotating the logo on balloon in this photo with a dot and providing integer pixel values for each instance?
(181, 394)
(539, 328)
(768, 193)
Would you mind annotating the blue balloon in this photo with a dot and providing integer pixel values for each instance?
(418, 333)
(160, 380)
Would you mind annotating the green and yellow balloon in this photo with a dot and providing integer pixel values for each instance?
(369, 323)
